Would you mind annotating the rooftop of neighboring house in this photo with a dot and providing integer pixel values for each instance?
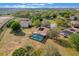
(4, 20)
(25, 22)
(73, 17)
(65, 32)
(75, 24)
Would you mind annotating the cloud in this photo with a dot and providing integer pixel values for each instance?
(30, 5)
(38, 5)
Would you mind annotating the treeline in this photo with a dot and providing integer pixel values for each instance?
(48, 14)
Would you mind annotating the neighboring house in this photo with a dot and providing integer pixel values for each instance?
(75, 24)
(73, 18)
(4, 20)
(45, 23)
(65, 33)
(53, 26)
(25, 22)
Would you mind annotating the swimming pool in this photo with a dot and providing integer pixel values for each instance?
(37, 37)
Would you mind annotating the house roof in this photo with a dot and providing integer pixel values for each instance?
(25, 22)
(76, 24)
(4, 20)
(43, 32)
(65, 32)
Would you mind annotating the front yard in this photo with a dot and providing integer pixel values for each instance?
(10, 42)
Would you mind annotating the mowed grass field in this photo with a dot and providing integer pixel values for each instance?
(10, 42)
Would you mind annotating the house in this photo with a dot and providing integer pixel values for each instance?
(42, 31)
(73, 18)
(75, 24)
(54, 25)
(45, 23)
(65, 33)
(40, 34)
(25, 22)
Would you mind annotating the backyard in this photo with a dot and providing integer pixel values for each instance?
(10, 42)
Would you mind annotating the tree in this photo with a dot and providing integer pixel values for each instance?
(29, 50)
(24, 14)
(36, 17)
(15, 26)
(74, 38)
(45, 15)
(19, 52)
(26, 51)
(51, 51)
(10, 22)
(53, 33)
(62, 23)
(54, 15)
(59, 22)
(45, 23)
(37, 23)
(38, 52)
(66, 15)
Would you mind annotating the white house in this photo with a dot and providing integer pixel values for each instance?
(54, 25)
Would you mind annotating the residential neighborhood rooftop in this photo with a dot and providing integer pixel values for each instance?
(25, 22)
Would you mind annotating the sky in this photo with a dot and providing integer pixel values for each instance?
(39, 5)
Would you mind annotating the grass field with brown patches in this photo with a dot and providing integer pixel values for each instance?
(10, 42)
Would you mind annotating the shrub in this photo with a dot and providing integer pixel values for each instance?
(60, 22)
(19, 52)
(27, 51)
(30, 51)
(52, 51)
(63, 43)
(10, 22)
(74, 38)
(45, 23)
(15, 26)
(38, 52)
(53, 33)
(37, 23)
(54, 15)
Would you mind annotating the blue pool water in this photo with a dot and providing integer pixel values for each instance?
(37, 37)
